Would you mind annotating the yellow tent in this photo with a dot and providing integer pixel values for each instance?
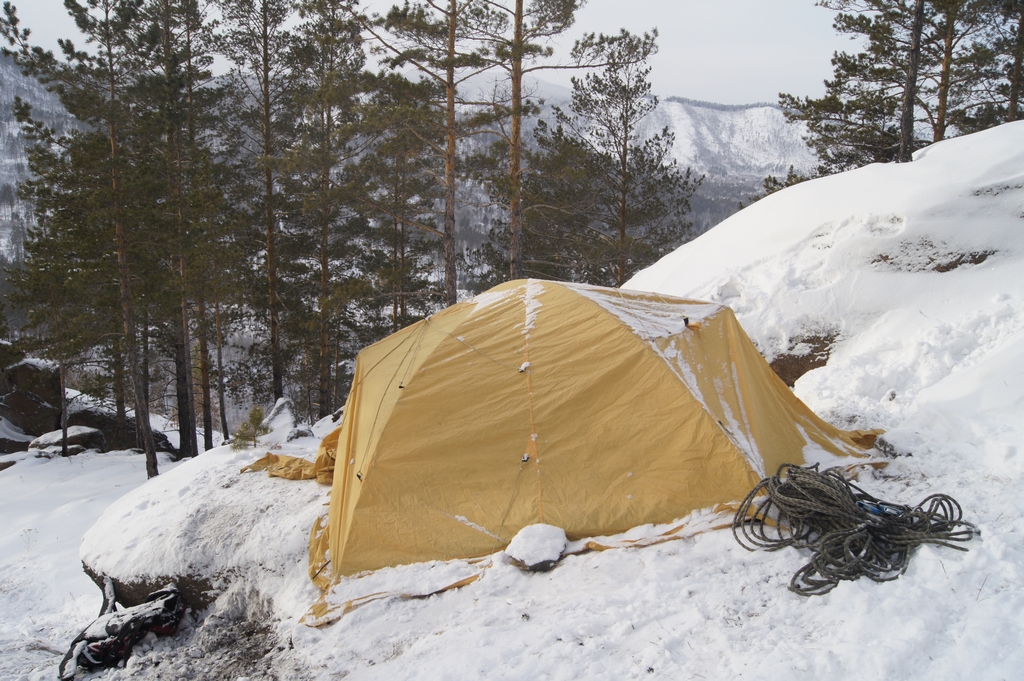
(588, 408)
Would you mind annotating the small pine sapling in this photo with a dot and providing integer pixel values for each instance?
(250, 431)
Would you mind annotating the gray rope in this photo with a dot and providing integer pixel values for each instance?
(850, 533)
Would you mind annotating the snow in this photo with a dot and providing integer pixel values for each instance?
(928, 344)
(47, 505)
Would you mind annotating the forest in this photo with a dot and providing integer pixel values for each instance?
(240, 233)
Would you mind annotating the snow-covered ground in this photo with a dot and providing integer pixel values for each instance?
(46, 505)
(913, 274)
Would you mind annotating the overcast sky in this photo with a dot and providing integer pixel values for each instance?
(726, 51)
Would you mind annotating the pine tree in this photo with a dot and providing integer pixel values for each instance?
(250, 430)
(626, 195)
(257, 43)
(860, 119)
(61, 267)
(327, 62)
(179, 122)
(1008, 44)
(399, 189)
(432, 37)
(97, 88)
(518, 39)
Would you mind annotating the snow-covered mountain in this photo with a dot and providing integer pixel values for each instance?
(735, 147)
(740, 142)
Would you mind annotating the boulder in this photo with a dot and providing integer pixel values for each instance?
(89, 438)
(9, 445)
(53, 452)
(12, 439)
(106, 421)
(537, 548)
(282, 416)
(198, 592)
(29, 412)
(300, 432)
(36, 377)
(8, 355)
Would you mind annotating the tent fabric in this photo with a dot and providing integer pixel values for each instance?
(592, 409)
(279, 466)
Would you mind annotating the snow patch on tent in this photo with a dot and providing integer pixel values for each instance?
(470, 524)
(649, 319)
(738, 429)
(531, 291)
(482, 301)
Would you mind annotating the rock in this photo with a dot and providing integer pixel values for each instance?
(4, 465)
(301, 431)
(36, 377)
(198, 592)
(537, 548)
(55, 451)
(106, 421)
(88, 438)
(9, 446)
(8, 355)
(29, 412)
(12, 439)
(282, 416)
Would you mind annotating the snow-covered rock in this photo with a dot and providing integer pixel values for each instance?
(537, 547)
(282, 416)
(208, 528)
(89, 438)
(931, 351)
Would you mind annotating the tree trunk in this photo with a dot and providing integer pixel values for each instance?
(906, 150)
(62, 377)
(141, 405)
(183, 385)
(515, 151)
(403, 298)
(220, 367)
(324, 350)
(620, 274)
(270, 219)
(204, 373)
(395, 281)
(121, 423)
(145, 359)
(939, 133)
(450, 275)
(1015, 72)
(62, 372)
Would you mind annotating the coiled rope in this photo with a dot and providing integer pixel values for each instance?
(849, 532)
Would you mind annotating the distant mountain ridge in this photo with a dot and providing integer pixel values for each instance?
(749, 142)
(735, 146)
